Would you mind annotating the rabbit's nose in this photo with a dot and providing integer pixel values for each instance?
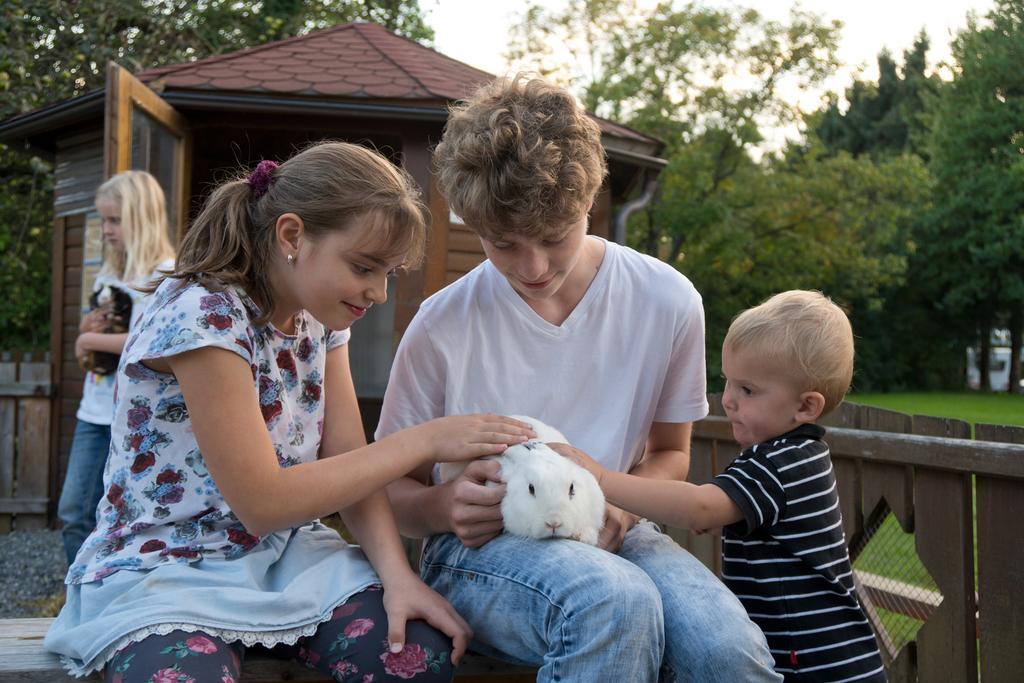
(553, 525)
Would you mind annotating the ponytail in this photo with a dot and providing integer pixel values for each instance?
(225, 247)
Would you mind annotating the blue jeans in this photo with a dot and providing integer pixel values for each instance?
(83, 484)
(579, 613)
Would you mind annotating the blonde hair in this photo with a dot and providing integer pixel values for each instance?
(803, 334)
(329, 185)
(520, 156)
(143, 226)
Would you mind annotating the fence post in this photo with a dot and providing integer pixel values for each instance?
(1001, 575)
(34, 442)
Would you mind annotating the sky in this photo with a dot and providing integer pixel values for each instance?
(475, 31)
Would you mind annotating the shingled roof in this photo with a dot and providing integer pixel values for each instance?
(358, 60)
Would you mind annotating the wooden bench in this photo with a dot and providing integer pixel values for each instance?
(22, 658)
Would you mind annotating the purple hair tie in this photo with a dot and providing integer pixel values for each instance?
(261, 179)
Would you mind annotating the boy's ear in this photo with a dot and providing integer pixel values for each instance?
(288, 233)
(812, 403)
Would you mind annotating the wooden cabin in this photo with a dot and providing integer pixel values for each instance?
(191, 124)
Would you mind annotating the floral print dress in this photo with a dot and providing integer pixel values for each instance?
(163, 511)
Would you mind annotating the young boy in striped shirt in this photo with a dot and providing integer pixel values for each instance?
(786, 363)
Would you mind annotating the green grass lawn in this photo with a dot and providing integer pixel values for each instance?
(891, 553)
(901, 629)
(970, 406)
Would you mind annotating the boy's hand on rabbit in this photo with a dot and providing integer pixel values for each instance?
(474, 510)
(580, 458)
(617, 522)
(414, 600)
(467, 437)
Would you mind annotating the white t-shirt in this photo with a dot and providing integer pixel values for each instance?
(97, 404)
(631, 353)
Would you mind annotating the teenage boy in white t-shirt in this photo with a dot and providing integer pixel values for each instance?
(603, 343)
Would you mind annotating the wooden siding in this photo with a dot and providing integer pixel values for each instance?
(78, 172)
(410, 289)
(601, 216)
(67, 310)
(464, 252)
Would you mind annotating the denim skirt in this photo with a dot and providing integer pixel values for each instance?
(276, 593)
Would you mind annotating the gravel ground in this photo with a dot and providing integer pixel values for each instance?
(32, 568)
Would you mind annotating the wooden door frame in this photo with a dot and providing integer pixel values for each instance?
(124, 94)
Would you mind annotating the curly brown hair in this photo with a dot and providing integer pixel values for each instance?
(520, 156)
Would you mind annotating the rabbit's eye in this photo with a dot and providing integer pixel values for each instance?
(572, 490)
(532, 492)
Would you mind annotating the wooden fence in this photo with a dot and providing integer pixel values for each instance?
(961, 501)
(25, 468)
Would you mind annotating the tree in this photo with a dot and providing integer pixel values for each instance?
(26, 210)
(973, 239)
(55, 51)
(675, 72)
(884, 118)
(903, 341)
(568, 45)
(706, 81)
(807, 220)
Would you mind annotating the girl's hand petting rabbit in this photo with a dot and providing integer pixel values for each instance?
(467, 437)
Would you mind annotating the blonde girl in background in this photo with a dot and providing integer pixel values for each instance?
(236, 427)
(136, 250)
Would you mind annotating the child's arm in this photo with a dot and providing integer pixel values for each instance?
(676, 503)
(667, 456)
(225, 413)
(372, 522)
(109, 342)
(371, 518)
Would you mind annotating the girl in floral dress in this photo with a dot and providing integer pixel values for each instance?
(236, 427)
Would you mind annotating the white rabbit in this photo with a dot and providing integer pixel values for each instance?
(547, 495)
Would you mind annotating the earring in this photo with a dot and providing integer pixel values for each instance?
(291, 260)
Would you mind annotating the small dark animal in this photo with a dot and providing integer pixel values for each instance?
(116, 305)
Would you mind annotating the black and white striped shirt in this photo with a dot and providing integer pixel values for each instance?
(788, 564)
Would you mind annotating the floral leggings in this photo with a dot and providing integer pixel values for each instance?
(350, 647)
